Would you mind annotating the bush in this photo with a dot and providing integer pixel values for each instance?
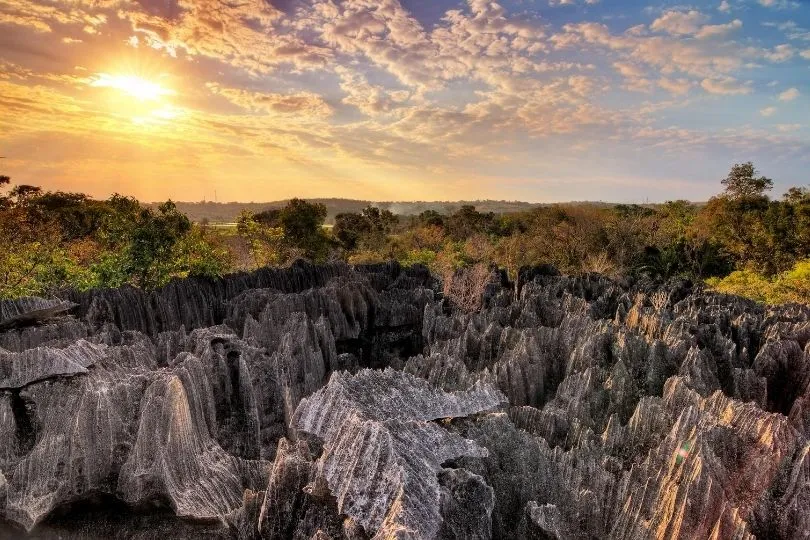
(746, 283)
(465, 287)
(426, 257)
(791, 286)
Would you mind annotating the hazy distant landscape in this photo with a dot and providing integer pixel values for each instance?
(228, 212)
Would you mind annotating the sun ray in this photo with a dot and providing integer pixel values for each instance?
(133, 86)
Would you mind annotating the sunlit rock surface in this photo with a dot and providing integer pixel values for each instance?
(338, 402)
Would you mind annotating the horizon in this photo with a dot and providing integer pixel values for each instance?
(422, 201)
(544, 101)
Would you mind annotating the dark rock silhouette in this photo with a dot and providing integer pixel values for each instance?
(338, 402)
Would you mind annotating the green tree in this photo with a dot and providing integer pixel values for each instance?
(367, 230)
(200, 253)
(4, 200)
(468, 221)
(431, 218)
(154, 237)
(797, 195)
(302, 223)
(76, 215)
(266, 243)
(349, 229)
(24, 193)
(742, 182)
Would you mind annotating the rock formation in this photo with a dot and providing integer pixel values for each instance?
(338, 402)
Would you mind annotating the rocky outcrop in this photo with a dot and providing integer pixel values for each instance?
(30, 311)
(338, 402)
(382, 449)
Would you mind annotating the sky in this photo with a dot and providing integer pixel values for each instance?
(534, 100)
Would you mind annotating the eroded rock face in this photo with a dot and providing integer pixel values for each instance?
(382, 449)
(341, 402)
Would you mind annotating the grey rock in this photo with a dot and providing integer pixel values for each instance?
(383, 449)
(338, 402)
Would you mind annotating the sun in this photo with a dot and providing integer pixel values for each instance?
(133, 86)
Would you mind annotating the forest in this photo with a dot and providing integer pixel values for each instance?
(742, 241)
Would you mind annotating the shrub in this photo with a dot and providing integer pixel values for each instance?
(790, 286)
(465, 287)
(419, 256)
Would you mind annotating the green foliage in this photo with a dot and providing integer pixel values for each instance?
(426, 257)
(302, 223)
(349, 229)
(790, 286)
(200, 254)
(153, 239)
(266, 243)
(74, 213)
(467, 221)
(50, 240)
(742, 182)
(279, 236)
(431, 218)
(368, 230)
(55, 240)
(755, 233)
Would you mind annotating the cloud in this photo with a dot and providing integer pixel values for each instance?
(44, 17)
(727, 86)
(779, 4)
(629, 70)
(480, 42)
(789, 95)
(635, 77)
(767, 111)
(780, 53)
(787, 128)
(304, 105)
(792, 30)
(675, 86)
(687, 23)
(362, 88)
(371, 100)
(247, 34)
(718, 30)
(679, 23)
(669, 54)
(571, 2)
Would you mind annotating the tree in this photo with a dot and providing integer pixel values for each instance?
(265, 241)
(302, 223)
(76, 214)
(468, 221)
(349, 229)
(742, 182)
(431, 218)
(152, 241)
(25, 192)
(797, 195)
(4, 200)
(369, 231)
(382, 222)
(270, 218)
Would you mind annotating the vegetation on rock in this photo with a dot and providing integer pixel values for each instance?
(741, 240)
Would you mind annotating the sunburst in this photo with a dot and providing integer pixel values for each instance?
(133, 86)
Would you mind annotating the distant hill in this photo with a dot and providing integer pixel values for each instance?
(228, 212)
